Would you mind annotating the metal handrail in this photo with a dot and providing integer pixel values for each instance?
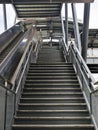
(89, 74)
(83, 63)
(11, 52)
(23, 70)
(21, 61)
(5, 79)
(3, 86)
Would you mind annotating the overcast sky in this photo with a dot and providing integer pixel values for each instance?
(93, 13)
(80, 7)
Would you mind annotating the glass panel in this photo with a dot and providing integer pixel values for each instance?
(1, 19)
(10, 15)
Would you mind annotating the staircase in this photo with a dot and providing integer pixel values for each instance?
(52, 98)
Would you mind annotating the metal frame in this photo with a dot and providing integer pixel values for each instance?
(5, 17)
(66, 23)
(85, 31)
(84, 43)
(76, 28)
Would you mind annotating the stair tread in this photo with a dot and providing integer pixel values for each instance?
(53, 76)
(59, 64)
(52, 117)
(52, 88)
(52, 80)
(42, 73)
(53, 126)
(33, 93)
(53, 104)
(53, 110)
(56, 84)
(65, 98)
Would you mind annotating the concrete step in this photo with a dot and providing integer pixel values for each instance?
(29, 77)
(52, 100)
(53, 127)
(30, 81)
(52, 120)
(51, 68)
(51, 71)
(51, 74)
(44, 89)
(52, 94)
(45, 113)
(53, 106)
(51, 64)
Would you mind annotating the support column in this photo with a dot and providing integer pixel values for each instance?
(66, 23)
(76, 28)
(5, 17)
(85, 30)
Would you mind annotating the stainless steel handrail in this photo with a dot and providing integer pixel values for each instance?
(82, 69)
(5, 61)
(21, 69)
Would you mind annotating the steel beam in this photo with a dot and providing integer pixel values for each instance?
(85, 31)
(66, 23)
(46, 1)
(5, 17)
(76, 27)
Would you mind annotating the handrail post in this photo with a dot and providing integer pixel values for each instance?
(14, 104)
(66, 23)
(5, 106)
(91, 103)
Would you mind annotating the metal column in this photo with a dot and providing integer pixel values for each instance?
(66, 23)
(5, 18)
(85, 30)
(76, 28)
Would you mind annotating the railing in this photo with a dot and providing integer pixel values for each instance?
(13, 88)
(86, 80)
(10, 54)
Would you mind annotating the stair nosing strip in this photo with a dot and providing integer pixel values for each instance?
(58, 126)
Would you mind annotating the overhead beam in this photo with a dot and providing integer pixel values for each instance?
(46, 1)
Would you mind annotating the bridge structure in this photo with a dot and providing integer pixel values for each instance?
(45, 81)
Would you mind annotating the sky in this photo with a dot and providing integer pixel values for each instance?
(80, 12)
(79, 9)
(93, 14)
